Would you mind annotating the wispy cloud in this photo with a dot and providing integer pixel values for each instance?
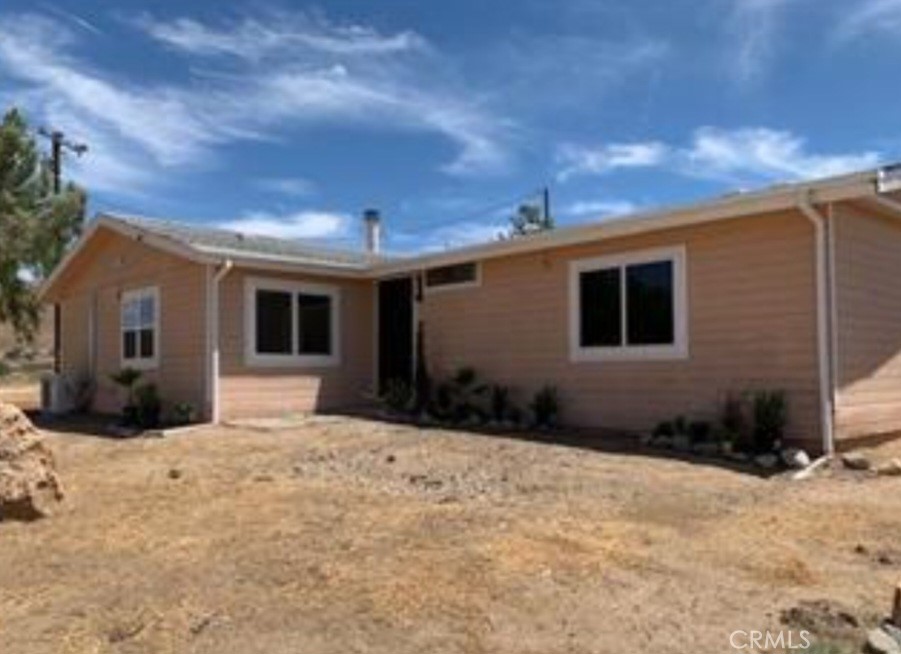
(744, 155)
(297, 225)
(301, 70)
(753, 31)
(576, 159)
(764, 154)
(289, 186)
(870, 17)
(599, 208)
(443, 237)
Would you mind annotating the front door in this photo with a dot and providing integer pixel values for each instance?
(395, 331)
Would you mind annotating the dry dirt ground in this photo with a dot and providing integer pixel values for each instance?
(346, 535)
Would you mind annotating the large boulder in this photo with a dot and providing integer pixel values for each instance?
(29, 486)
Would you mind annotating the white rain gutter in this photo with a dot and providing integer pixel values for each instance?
(824, 328)
(212, 335)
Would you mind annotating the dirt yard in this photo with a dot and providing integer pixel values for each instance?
(347, 535)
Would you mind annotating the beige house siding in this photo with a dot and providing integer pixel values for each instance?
(751, 325)
(253, 390)
(867, 251)
(110, 265)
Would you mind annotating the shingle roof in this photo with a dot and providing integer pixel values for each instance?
(226, 243)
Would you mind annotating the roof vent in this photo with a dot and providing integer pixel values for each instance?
(889, 179)
(373, 224)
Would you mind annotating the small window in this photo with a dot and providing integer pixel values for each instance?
(291, 323)
(629, 306)
(140, 328)
(455, 276)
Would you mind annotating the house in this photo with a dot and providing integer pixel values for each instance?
(635, 320)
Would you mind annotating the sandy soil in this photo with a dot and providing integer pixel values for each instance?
(347, 535)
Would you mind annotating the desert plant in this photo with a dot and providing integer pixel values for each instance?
(664, 430)
(680, 426)
(148, 405)
(699, 431)
(126, 379)
(466, 396)
(770, 417)
(183, 413)
(4, 368)
(398, 396)
(545, 407)
(500, 402)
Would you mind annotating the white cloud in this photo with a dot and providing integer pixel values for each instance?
(278, 33)
(743, 155)
(302, 224)
(290, 186)
(344, 75)
(871, 17)
(753, 31)
(582, 160)
(761, 153)
(602, 208)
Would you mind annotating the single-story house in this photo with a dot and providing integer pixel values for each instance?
(635, 320)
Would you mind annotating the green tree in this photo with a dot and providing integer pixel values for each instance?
(36, 225)
(529, 219)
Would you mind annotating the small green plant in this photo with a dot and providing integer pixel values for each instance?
(664, 430)
(183, 413)
(680, 426)
(4, 368)
(398, 396)
(770, 417)
(699, 431)
(126, 379)
(545, 407)
(500, 402)
(149, 406)
(466, 396)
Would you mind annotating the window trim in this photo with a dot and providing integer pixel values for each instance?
(456, 286)
(677, 350)
(138, 362)
(253, 358)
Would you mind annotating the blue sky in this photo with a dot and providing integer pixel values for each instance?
(290, 118)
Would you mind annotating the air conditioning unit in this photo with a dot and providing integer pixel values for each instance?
(56, 394)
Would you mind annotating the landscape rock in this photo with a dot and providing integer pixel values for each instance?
(856, 461)
(823, 617)
(795, 458)
(893, 631)
(881, 642)
(29, 485)
(890, 468)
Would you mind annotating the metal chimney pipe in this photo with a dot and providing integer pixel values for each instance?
(373, 224)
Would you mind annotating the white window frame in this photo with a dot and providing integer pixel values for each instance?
(294, 360)
(456, 286)
(624, 352)
(139, 362)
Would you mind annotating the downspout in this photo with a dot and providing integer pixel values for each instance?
(213, 338)
(824, 328)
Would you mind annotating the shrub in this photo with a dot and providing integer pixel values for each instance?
(680, 426)
(500, 403)
(699, 431)
(546, 407)
(4, 368)
(126, 379)
(398, 396)
(149, 406)
(664, 430)
(465, 396)
(183, 413)
(770, 417)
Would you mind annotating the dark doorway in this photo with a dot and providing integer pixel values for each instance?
(395, 331)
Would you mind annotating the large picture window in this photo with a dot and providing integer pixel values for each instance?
(291, 323)
(139, 322)
(629, 306)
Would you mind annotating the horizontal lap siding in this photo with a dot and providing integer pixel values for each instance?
(111, 265)
(752, 324)
(258, 391)
(868, 298)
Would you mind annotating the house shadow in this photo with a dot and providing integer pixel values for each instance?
(91, 425)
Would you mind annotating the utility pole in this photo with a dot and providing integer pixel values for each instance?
(58, 142)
